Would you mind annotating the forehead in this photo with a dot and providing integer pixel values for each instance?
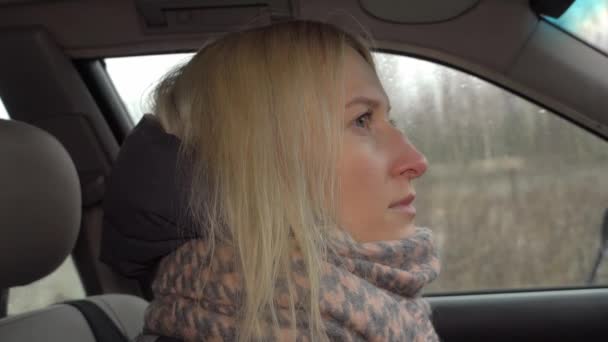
(360, 79)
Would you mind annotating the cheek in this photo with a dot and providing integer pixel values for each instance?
(362, 176)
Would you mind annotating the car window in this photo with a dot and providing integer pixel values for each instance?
(587, 20)
(135, 77)
(514, 194)
(3, 112)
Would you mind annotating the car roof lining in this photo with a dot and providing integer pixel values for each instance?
(417, 11)
(83, 29)
(489, 40)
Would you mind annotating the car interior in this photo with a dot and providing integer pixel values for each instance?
(68, 120)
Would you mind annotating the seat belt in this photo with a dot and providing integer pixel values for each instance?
(3, 302)
(103, 327)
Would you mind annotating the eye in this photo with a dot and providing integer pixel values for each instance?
(364, 120)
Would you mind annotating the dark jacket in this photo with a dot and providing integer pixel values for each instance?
(144, 204)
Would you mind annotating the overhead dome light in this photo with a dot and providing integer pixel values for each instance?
(417, 11)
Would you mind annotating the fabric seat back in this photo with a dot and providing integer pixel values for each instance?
(40, 214)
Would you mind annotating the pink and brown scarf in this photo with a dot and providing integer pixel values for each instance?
(370, 293)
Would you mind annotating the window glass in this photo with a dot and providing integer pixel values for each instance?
(135, 77)
(515, 195)
(588, 20)
(61, 285)
(3, 112)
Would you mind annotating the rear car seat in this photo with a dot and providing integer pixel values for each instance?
(40, 214)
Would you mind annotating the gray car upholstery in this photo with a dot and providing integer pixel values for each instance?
(39, 204)
(62, 322)
(40, 212)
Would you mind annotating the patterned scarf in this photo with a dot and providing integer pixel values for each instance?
(370, 293)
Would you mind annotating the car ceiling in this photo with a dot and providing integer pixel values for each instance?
(91, 28)
(491, 38)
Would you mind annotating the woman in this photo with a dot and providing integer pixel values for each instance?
(300, 191)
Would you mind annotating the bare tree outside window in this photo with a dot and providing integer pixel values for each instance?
(515, 194)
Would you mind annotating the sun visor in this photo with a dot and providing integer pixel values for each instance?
(417, 11)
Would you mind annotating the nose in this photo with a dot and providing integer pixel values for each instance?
(409, 161)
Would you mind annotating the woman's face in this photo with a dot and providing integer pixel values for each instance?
(377, 163)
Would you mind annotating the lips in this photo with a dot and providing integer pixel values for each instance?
(404, 205)
(407, 200)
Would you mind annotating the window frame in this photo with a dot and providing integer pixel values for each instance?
(512, 89)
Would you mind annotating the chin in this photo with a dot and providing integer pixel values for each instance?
(404, 231)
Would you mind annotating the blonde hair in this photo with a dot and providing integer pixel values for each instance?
(258, 115)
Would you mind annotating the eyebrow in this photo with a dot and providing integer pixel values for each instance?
(367, 101)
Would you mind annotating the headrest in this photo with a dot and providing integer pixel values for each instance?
(144, 202)
(40, 204)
